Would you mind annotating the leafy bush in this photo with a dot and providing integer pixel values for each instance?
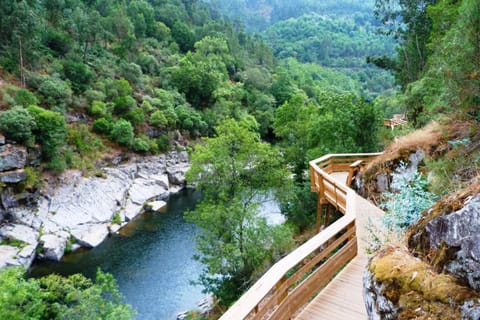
(98, 109)
(158, 119)
(136, 116)
(122, 132)
(50, 131)
(162, 142)
(405, 206)
(17, 124)
(102, 126)
(79, 74)
(55, 92)
(124, 104)
(24, 98)
(55, 297)
(140, 145)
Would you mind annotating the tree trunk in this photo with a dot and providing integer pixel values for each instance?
(20, 57)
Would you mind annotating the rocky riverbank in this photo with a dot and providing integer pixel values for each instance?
(82, 211)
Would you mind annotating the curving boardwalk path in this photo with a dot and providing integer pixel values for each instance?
(342, 297)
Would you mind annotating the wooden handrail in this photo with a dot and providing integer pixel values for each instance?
(294, 280)
(275, 282)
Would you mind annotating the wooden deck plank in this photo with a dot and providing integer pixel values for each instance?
(330, 303)
(342, 299)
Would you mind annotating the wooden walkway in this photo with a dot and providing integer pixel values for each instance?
(342, 298)
(287, 290)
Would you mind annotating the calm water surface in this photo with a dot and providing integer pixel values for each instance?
(151, 260)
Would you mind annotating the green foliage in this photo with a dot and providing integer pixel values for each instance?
(54, 297)
(124, 104)
(135, 116)
(17, 124)
(122, 132)
(102, 126)
(98, 109)
(78, 74)
(50, 131)
(158, 119)
(24, 98)
(55, 92)
(140, 145)
(405, 205)
(232, 170)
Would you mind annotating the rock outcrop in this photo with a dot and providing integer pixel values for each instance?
(82, 208)
(438, 276)
(400, 286)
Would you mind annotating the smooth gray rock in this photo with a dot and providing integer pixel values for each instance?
(27, 255)
(176, 173)
(2, 139)
(26, 217)
(90, 236)
(14, 176)
(8, 256)
(157, 205)
(12, 157)
(19, 232)
(53, 246)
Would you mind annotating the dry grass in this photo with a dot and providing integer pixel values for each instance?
(423, 139)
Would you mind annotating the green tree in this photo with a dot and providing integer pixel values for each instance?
(51, 131)
(17, 124)
(55, 297)
(233, 170)
(122, 132)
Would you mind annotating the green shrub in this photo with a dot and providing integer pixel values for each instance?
(24, 98)
(136, 116)
(98, 109)
(94, 95)
(162, 143)
(140, 145)
(405, 206)
(131, 72)
(122, 132)
(55, 92)
(50, 131)
(102, 126)
(55, 297)
(124, 104)
(80, 76)
(158, 119)
(17, 124)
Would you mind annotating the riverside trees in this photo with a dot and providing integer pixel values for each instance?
(233, 170)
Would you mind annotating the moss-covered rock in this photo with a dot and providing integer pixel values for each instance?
(400, 286)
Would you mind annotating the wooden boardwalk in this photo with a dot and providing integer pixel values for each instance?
(342, 298)
(332, 262)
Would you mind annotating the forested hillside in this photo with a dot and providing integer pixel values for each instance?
(82, 80)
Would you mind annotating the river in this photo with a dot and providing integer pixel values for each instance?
(151, 259)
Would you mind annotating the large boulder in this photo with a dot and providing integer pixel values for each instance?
(400, 286)
(12, 157)
(19, 232)
(8, 256)
(53, 247)
(90, 236)
(14, 176)
(451, 241)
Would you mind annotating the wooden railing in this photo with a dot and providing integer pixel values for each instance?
(293, 281)
(330, 189)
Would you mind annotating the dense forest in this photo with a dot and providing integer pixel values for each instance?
(256, 88)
